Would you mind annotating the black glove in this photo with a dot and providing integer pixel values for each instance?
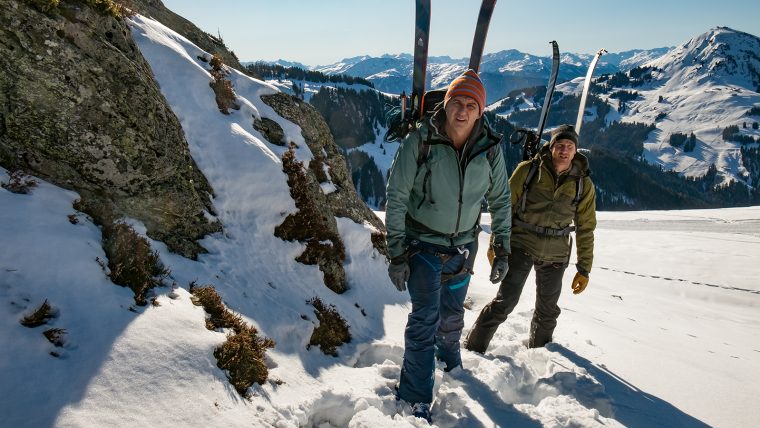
(500, 265)
(398, 271)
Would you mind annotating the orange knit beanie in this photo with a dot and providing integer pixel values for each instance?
(468, 85)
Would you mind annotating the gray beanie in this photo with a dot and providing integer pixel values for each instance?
(564, 132)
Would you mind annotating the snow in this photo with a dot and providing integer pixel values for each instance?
(702, 86)
(666, 334)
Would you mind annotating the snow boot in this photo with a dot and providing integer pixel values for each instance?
(538, 336)
(478, 339)
(422, 410)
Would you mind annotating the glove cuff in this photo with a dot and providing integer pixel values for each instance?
(499, 250)
(582, 271)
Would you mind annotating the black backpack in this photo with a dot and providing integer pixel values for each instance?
(400, 122)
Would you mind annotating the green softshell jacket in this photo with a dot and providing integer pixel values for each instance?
(447, 210)
(549, 204)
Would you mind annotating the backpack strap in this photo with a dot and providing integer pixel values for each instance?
(423, 149)
(578, 191)
(534, 165)
(492, 151)
(423, 156)
(579, 188)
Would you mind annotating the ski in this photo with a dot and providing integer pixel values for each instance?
(530, 139)
(549, 89)
(586, 85)
(481, 30)
(421, 35)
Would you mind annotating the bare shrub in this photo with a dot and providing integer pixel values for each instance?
(216, 63)
(131, 261)
(219, 316)
(243, 356)
(18, 182)
(39, 317)
(332, 330)
(243, 353)
(55, 336)
(222, 86)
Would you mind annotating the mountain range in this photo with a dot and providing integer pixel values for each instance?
(704, 91)
(501, 71)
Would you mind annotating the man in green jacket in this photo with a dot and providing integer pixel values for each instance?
(552, 195)
(439, 177)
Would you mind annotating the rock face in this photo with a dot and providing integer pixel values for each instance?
(344, 201)
(80, 108)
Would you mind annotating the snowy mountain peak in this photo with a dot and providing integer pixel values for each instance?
(721, 55)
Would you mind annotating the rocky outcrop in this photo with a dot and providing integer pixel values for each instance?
(80, 108)
(344, 201)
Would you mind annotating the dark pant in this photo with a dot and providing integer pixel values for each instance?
(437, 286)
(548, 288)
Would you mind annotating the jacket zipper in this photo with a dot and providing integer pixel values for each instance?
(462, 170)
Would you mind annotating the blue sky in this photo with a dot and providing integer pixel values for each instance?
(319, 32)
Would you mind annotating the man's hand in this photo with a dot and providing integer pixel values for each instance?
(398, 271)
(499, 264)
(579, 283)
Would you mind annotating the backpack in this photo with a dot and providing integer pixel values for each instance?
(400, 121)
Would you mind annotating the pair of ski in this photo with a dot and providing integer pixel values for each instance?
(531, 139)
(416, 109)
(416, 106)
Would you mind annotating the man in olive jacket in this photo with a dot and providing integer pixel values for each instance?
(439, 177)
(559, 198)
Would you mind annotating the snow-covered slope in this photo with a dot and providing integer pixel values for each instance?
(702, 86)
(665, 335)
(719, 56)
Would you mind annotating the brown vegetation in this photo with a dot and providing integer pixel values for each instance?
(332, 330)
(131, 261)
(243, 353)
(55, 336)
(39, 317)
(222, 86)
(311, 226)
(18, 182)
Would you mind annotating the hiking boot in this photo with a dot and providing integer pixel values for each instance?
(422, 410)
(477, 340)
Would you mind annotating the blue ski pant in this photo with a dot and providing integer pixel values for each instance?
(437, 285)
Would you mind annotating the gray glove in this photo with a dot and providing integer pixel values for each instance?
(500, 265)
(398, 271)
